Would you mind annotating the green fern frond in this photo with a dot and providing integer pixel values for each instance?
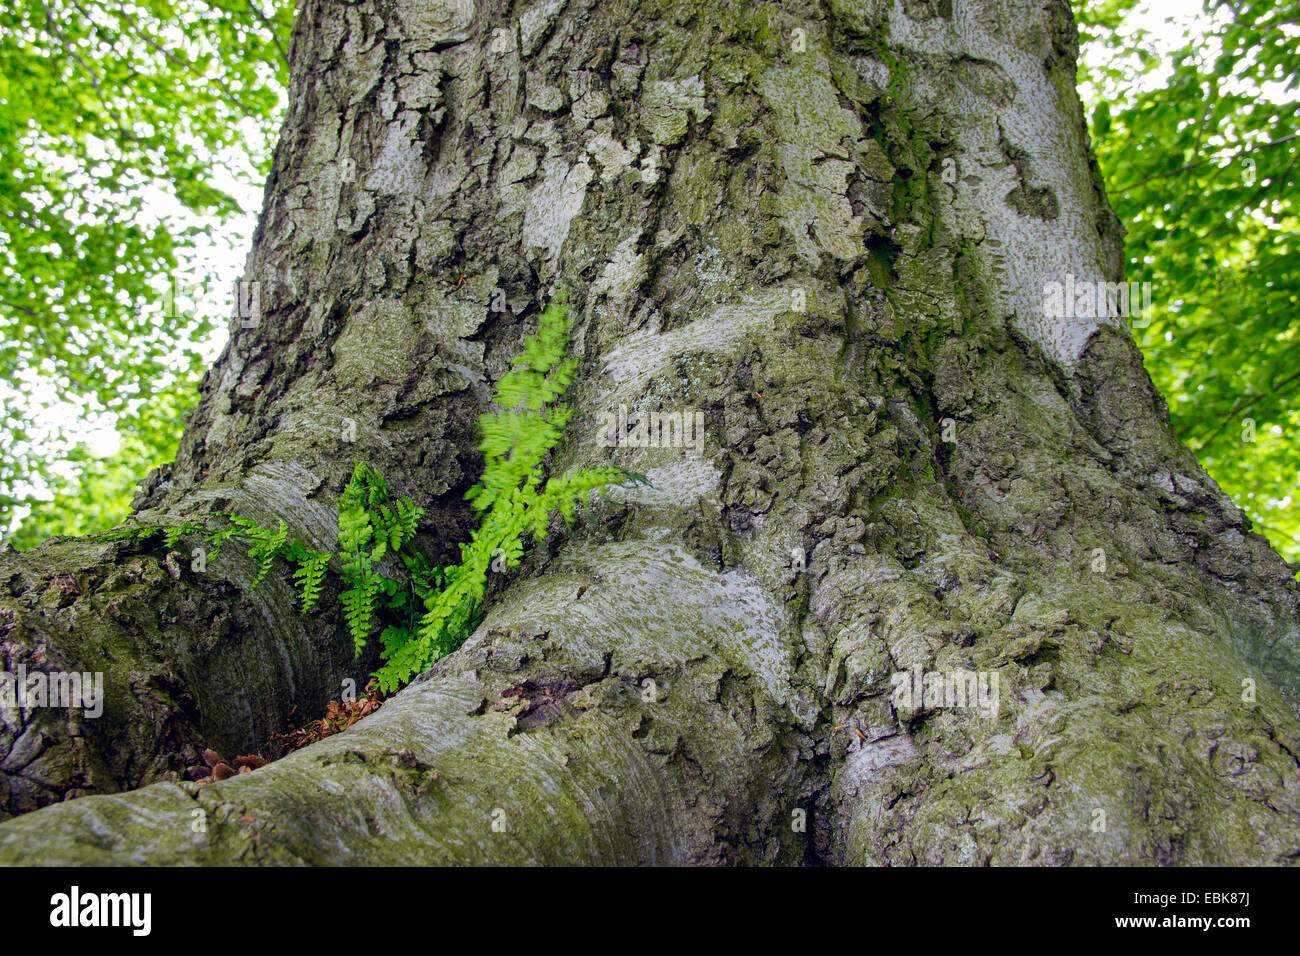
(310, 576)
(266, 547)
(174, 533)
(359, 611)
(143, 532)
(517, 437)
(135, 532)
(431, 610)
(407, 519)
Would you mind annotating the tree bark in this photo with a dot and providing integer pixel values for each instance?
(826, 227)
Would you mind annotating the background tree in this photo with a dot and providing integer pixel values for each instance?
(110, 114)
(1201, 166)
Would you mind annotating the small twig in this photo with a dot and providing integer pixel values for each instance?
(1181, 169)
(1239, 408)
(275, 37)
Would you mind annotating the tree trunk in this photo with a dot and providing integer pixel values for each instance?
(827, 228)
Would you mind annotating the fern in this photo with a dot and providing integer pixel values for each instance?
(430, 612)
(310, 575)
(143, 532)
(407, 518)
(218, 538)
(173, 534)
(528, 423)
(266, 548)
(130, 533)
(359, 610)
(370, 525)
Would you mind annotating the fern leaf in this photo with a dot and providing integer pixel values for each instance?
(265, 549)
(310, 577)
(359, 611)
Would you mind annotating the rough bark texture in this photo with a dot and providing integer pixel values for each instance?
(755, 210)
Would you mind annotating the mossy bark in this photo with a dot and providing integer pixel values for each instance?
(826, 228)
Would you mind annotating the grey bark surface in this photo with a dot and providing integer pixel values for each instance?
(827, 228)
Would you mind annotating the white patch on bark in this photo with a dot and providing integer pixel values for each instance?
(420, 91)
(677, 485)
(810, 123)
(612, 156)
(521, 165)
(399, 167)
(461, 313)
(640, 357)
(535, 24)
(543, 96)
(666, 106)
(623, 272)
(436, 22)
(870, 758)
(375, 345)
(661, 604)
(553, 203)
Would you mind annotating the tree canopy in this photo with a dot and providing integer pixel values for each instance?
(109, 113)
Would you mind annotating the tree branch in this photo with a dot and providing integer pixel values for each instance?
(1181, 169)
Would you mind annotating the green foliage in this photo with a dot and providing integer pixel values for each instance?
(310, 576)
(266, 544)
(510, 497)
(370, 525)
(430, 611)
(105, 106)
(1203, 167)
(173, 534)
(97, 492)
(143, 532)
